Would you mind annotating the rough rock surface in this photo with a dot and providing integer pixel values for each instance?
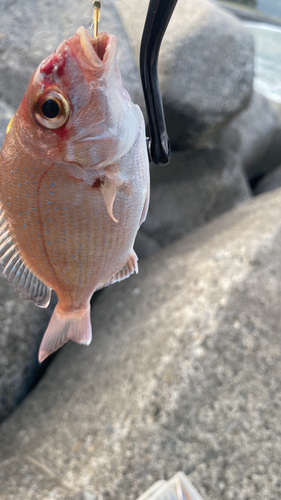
(194, 188)
(183, 373)
(257, 127)
(145, 245)
(21, 328)
(30, 31)
(269, 182)
(205, 65)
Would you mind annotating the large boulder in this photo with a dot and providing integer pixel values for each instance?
(205, 66)
(183, 373)
(269, 182)
(193, 189)
(31, 30)
(258, 135)
(145, 245)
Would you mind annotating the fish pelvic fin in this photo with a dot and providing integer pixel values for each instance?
(109, 195)
(64, 326)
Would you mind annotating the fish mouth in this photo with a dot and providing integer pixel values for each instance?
(100, 51)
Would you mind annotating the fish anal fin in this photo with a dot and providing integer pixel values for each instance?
(130, 267)
(64, 326)
(19, 276)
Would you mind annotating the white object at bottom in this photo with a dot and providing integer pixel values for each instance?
(178, 488)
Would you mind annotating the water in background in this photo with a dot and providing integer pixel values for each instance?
(270, 7)
(267, 59)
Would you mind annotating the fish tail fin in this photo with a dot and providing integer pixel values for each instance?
(64, 326)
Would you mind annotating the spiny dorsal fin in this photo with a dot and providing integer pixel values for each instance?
(130, 267)
(20, 278)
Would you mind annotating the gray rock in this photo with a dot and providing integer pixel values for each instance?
(256, 128)
(21, 328)
(183, 373)
(194, 188)
(271, 158)
(270, 182)
(6, 113)
(31, 30)
(145, 245)
(205, 66)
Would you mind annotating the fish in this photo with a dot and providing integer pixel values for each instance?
(74, 185)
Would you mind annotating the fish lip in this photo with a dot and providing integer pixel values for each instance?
(89, 51)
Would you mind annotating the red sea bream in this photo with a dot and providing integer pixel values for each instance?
(74, 177)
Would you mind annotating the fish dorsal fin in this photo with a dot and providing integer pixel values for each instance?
(130, 267)
(19, 276)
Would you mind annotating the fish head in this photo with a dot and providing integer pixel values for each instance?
(75, 106)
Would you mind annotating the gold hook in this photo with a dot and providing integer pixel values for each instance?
(96, 17)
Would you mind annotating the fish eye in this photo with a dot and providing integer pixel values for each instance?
(51, 109)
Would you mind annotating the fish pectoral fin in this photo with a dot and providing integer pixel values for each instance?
(64, 326)
(130, 267)
(19, 276)
(109, 194)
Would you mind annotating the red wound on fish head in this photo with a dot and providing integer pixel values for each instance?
(53, 65)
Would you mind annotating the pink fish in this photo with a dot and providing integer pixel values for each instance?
(74, 177)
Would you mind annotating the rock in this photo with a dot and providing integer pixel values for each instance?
(256, 128)
(269, 182)
(30, 31)
(194, 188)
(183, 373)
(6, 113)
(145, 245)
(21, 329)
(205, 66)
(271, 158)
